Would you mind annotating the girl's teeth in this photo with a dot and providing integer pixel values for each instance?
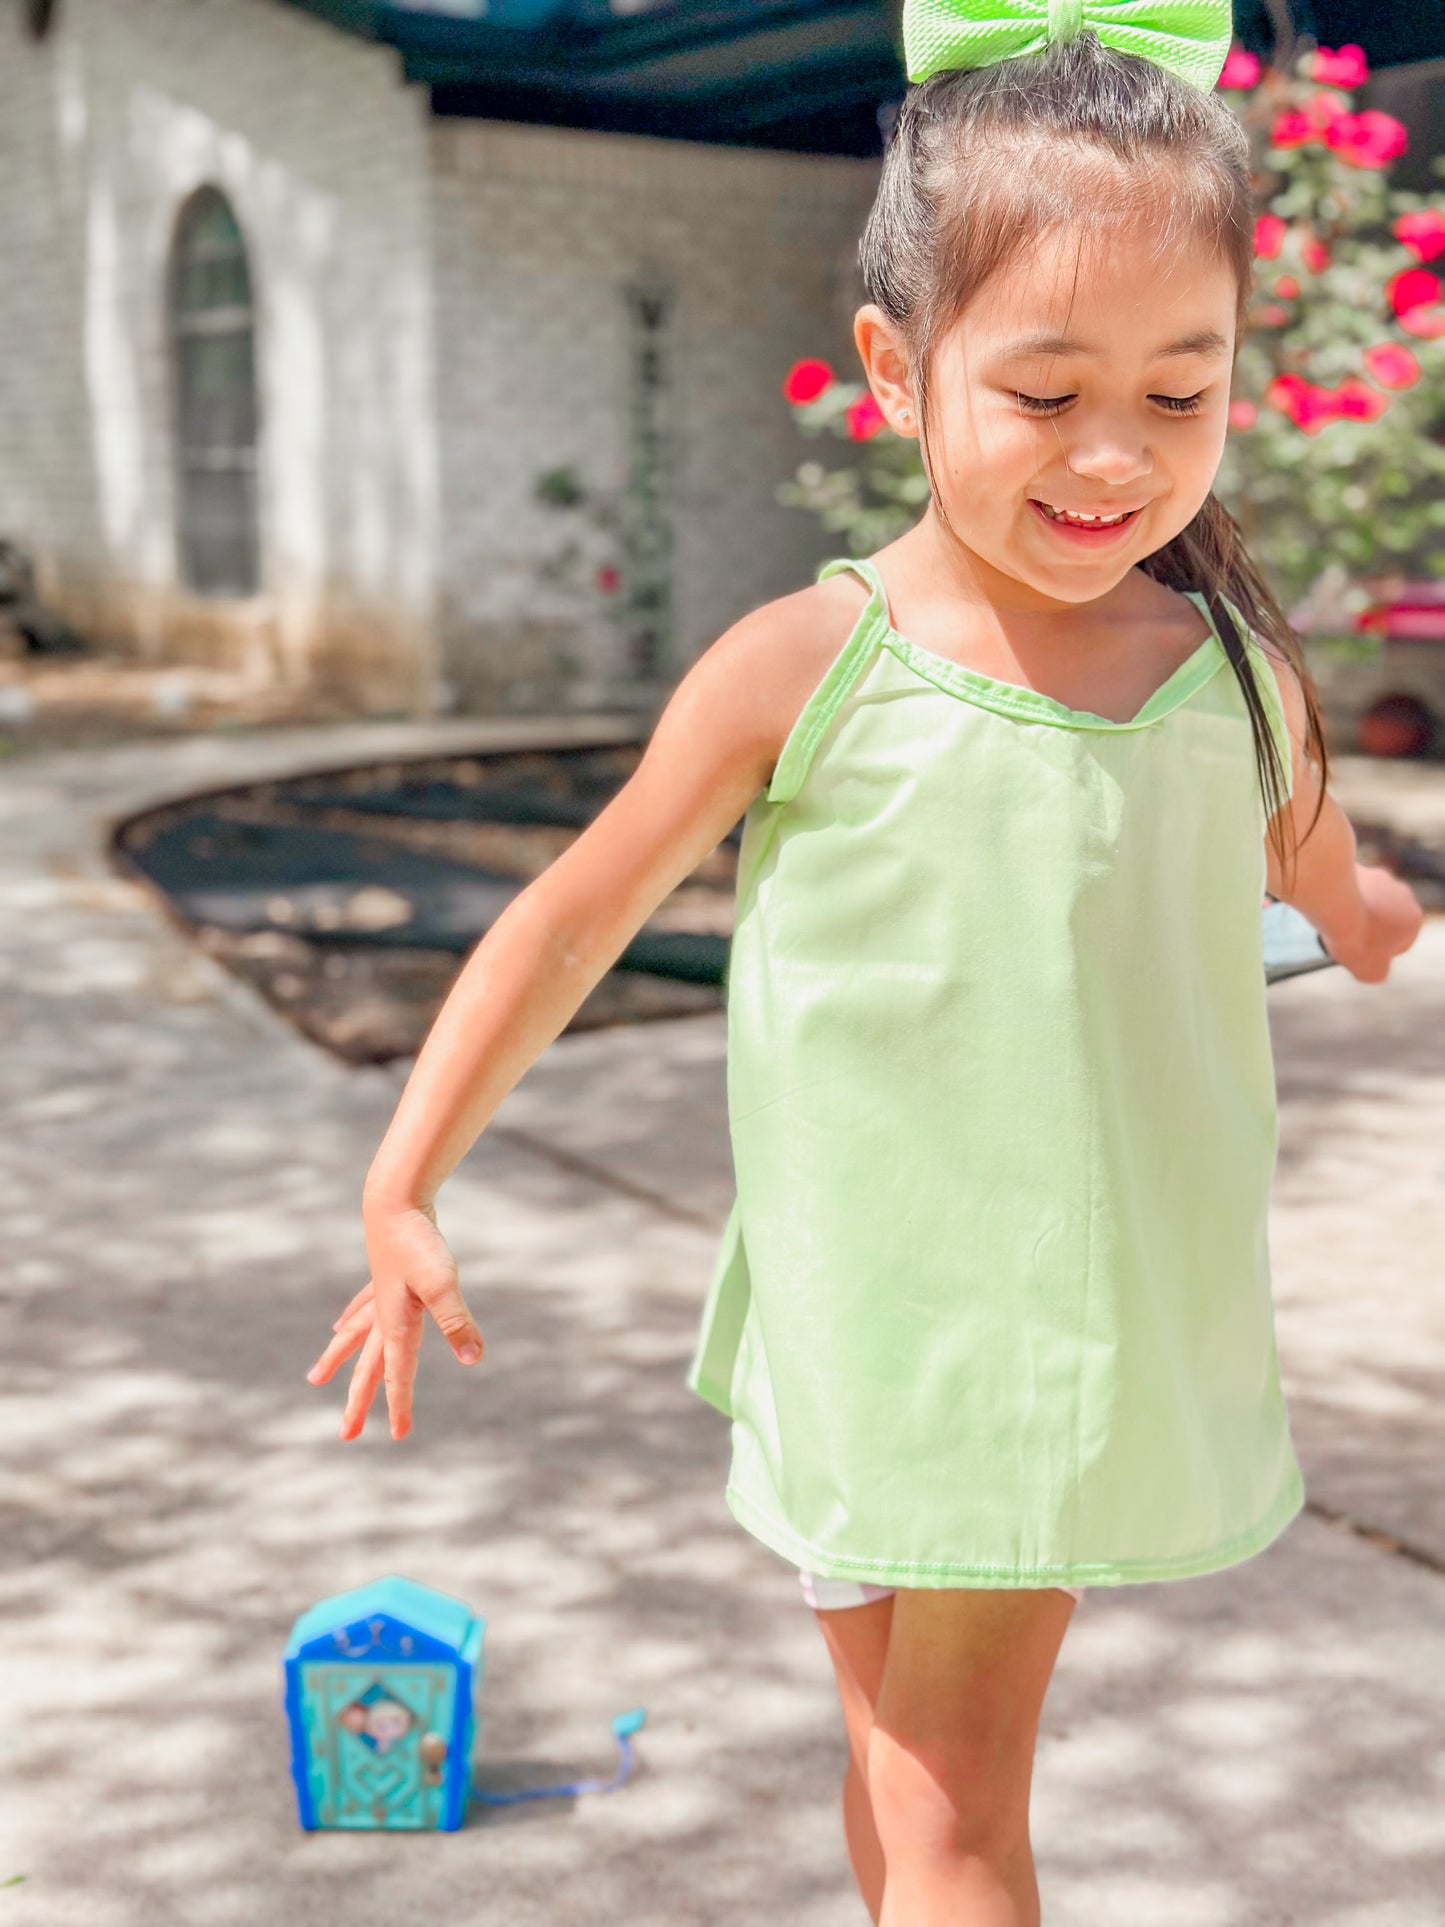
(1082, 521)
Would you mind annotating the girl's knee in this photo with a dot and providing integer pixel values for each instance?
(967, 1797)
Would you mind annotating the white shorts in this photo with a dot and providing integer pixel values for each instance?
(831, 1594)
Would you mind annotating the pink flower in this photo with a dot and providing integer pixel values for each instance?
(1241, 68)
(1325, 109)
(1272, 315)
(1423, 233)
(1308, 406)
(1426, 323)
(1355, 401)
(1315, 254)
(1269, 233)
(1340, 66)
(608, 578)
(1292, 129)
(1287, 287)
(1288, 383)
(1412, 288)
(1370, 139)
(864, 418)
(1315, 409)
(1243, 413)
(806, 380)
(1392, 365)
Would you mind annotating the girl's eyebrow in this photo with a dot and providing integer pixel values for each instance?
(1203, 341)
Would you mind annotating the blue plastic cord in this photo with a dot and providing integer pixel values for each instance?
(623, 1727)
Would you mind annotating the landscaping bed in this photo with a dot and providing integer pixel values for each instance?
(351, 900)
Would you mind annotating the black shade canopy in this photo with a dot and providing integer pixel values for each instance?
(805, 75)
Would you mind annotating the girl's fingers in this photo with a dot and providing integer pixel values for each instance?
(399, 1366)
(441, 1293)
(388, 1327)
(341, 1347)
(362, 1297)
(402, 1320)
(364, 1381)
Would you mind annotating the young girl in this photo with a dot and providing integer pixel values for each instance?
(991, 1317)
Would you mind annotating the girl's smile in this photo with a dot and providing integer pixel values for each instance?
(1094, 531)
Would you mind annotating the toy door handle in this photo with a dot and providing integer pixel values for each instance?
(433, 1751)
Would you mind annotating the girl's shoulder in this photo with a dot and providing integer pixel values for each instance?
(1174, 610)
(713, 748)
(1166, 615)
(1175, 604)
(729, 717)
(785, 648)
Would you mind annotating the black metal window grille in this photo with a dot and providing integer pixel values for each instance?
(647, 531)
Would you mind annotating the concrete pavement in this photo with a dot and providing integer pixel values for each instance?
(180, 1176)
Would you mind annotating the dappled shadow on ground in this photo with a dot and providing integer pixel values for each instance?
(1356, 1233)
(1340, 1045)
(177, 1496)
(180, 1182)
(1255, 1742)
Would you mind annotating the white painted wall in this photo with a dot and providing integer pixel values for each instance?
(105, 129)
(536, 230)
(439, 318)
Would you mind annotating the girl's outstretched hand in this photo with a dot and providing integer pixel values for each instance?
(412, 1272)
(1392, 919)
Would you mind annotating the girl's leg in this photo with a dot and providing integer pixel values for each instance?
(857, 1642)
(951, 1750)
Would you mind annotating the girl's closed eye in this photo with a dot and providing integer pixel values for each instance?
(1176, 404)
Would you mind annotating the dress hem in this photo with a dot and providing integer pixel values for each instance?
(826, 1565)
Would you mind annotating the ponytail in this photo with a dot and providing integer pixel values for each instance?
(1209, 556)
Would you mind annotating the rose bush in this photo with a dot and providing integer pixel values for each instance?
(1335, 460)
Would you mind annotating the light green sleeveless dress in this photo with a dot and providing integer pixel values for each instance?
(992, 1306)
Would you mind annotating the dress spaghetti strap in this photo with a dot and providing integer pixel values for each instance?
(860, 566)
(822, 706)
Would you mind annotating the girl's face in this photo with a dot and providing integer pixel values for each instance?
(1095, 382)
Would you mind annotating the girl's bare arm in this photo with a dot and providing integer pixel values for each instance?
(1364, 914)
(712, 749)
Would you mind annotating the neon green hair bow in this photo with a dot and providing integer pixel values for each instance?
(1190, 37)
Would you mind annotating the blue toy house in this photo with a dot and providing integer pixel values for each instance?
(379, 1696)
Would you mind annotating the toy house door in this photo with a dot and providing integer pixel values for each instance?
(376, 1742)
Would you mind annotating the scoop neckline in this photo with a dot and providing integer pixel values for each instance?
(1033, 705)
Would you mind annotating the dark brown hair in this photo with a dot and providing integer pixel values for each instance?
(982, 161)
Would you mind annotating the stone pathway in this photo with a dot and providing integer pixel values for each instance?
(180, 1176)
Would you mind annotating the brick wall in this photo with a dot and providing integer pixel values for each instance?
(537, 230)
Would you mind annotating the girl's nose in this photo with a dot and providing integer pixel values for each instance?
(1110, 458)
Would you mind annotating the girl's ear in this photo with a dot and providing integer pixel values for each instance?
(885, 363)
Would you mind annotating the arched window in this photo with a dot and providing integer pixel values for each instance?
(215, 375)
